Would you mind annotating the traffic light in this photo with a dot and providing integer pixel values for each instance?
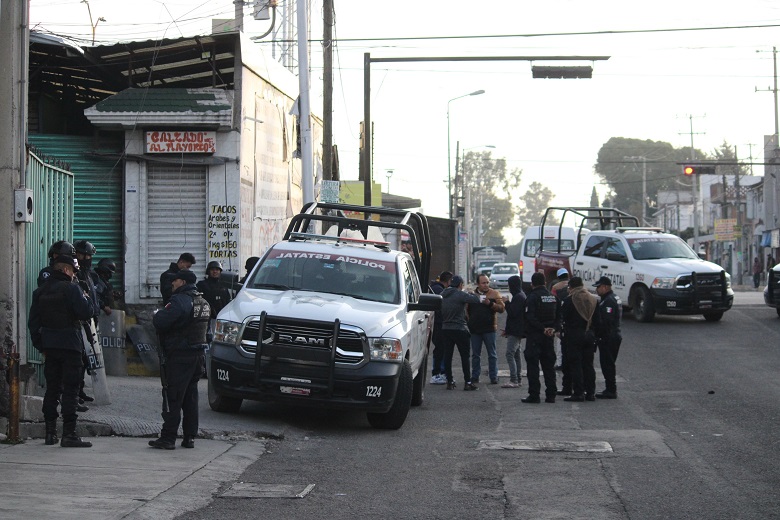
(698, 169)
(460, 211)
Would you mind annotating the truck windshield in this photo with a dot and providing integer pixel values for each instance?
(660, 247)
(342, 274)
(550, 244)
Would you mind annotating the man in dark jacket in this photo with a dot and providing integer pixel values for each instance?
(455, 331)
(608, 335)
(101, 277)
(181, 326)
(186, 260)
(577, 314)
(56, 312)
(438, 376)
(514, 330)
(213, 290)
(60, 247)
(542, 321)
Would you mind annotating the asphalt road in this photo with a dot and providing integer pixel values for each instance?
(694, 434)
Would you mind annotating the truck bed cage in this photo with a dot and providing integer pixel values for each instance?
(415, 224)
(607, 218)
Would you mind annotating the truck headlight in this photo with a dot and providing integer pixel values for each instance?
(728, 281)
(226, 332)
(385, 349)
(664, 283)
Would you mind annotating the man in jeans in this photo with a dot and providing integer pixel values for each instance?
(514, 331)
(482, 325)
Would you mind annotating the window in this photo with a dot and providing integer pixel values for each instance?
(616, 251)
(595, 246)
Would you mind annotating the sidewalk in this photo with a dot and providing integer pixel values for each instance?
(121, 476)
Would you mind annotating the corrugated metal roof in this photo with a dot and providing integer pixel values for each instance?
(167, 100)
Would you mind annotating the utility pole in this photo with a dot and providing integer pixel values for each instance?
(327, 101)
(304, 106)
(774, 88)
(239, 14)
(643, 220)
(695, 187)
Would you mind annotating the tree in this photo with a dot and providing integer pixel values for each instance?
(484, 179)
(535, 201)
(619, 164)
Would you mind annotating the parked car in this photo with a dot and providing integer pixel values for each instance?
(499, 277)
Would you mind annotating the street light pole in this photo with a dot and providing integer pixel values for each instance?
(449, 167)
(389, 174)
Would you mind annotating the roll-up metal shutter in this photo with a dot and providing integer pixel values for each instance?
(97, 192)
(176, 217)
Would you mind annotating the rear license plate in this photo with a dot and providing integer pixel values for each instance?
(294, 390)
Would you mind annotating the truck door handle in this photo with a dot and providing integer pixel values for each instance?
(421, 320)
(604, 266)
(579, 263)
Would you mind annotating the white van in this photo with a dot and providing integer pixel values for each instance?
(530, 245)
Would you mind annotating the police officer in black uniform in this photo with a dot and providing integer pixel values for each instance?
(58, 307)
(213, 290)
(182, 326)
(608, 336)
(542, 321)
(185, 261)
(577, 313)
(250, 264)
(101, 277)
(60, 247)
(84, 253)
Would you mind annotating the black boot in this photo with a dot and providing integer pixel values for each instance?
(70, 439)
(51, 433)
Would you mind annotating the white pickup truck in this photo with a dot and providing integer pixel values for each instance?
(332, 316)
(652, 272)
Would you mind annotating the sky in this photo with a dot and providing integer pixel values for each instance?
(696, 69)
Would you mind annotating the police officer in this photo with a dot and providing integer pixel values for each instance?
(101, 277)
(58, 307)
(577, 313)
(608, 336)
(250, 264)
(542, 321)
(185, 261)
(213, 290)
(60, 247)
(84, 253)
(182, 326)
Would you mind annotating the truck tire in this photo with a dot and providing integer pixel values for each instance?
(395, 417)
(713, 316)
(221, 403)
(418, 387)
(644, 309)
(778, 311)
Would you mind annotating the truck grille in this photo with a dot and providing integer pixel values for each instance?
(305, 335)
(773, 287)
(708, 287)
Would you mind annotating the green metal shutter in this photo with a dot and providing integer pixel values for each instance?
(98, 182)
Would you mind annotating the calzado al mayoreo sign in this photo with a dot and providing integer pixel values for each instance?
(181, 141)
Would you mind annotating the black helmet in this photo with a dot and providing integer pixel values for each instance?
(213, 265)
(85, 248)
(106, 264)
(62, 247)
(67, 260)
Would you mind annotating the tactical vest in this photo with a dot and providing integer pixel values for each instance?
(199, 321)
(53, 306)
(545, 309)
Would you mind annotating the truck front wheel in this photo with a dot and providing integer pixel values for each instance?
(643, 307)
(395, 417)
(220, 403)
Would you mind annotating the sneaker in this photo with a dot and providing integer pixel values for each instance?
(606, 394)
(162, 444)
(510, 385)
(188, 442)
(82, 408)
(494, 381)
(451, 385)
(85, 397)
(438, 379)
(531, 399)
(470, 386)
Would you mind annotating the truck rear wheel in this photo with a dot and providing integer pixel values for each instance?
(643, 307)
(221, 403)
(395, 417)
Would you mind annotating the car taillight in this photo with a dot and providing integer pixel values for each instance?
(520, 265)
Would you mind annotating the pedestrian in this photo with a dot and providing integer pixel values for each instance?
(455, 331)
(101, 277)
(483, 323)
(438, 376)
(60, 247)
(215, 292)
(84, 253)
(577, 313)
(185, 261)
(57, 309)
(514, 330)
(542, 321)
(757, 270)
(608, 338)
(560, 290)
(770, 262)
(181, 326)
(249, 265)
